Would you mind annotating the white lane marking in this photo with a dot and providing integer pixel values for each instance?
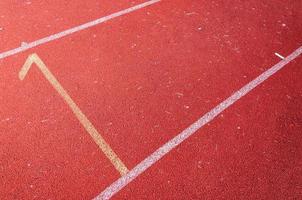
(166, 148)
(280, 56)
(74, 29)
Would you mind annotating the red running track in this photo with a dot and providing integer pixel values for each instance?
(141, 79)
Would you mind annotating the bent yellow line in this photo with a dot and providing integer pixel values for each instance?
(98, 139)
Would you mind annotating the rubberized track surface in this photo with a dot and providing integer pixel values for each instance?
(141, 79)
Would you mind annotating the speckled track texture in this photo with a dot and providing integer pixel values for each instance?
(141, 79)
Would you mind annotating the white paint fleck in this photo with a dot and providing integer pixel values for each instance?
(44, 120)
(6, 119)
(23, 44)
(179, 94)
(199, 165)
(280, 56)
(190, 13)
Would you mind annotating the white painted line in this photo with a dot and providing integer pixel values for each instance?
(282, 57)
(74, 29)
(170, 145)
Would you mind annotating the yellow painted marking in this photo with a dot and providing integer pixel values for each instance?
(98, 139)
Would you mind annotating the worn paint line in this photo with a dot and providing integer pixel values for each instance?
(181, 137)
(98, 139)
(64, 33)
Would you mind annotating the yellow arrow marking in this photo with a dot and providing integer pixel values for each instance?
(98, 139)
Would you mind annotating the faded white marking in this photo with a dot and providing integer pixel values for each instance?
(75, 29)
(170, 145)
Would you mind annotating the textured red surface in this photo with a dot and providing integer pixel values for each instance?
(26, 21)
(251, 151)
(141, 79)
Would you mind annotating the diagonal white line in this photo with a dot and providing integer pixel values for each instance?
(75, 29)
(170, 145)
